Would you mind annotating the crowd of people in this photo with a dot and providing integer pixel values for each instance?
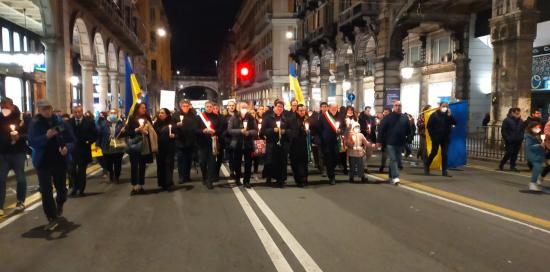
(240, 134)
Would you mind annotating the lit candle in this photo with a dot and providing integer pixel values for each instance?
(12, 127)
(181, 118)
(369, 127)
(245, 124)
(141, 122)
(259, 127)
(278, 124)
(306, 124)
(170, 129)
(208, 124)
(542, 137)
(337, 124)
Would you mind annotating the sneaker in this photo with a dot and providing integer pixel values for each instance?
(1, 212)
(534, 187)
(52, 224)
(540, 180)
(19, 207)
(395, 181)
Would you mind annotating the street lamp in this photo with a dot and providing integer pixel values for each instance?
(289, 35)
(178, 72)
(161, 32)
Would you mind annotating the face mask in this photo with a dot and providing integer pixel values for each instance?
(444, 110)
(536, 130)
(356, 130)
(6, 112)
(244, 111)
(112, 118)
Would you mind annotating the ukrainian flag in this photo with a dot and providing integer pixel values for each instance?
(295, 85)
(133, 91)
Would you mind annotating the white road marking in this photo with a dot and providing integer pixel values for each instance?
(469, 207)
(30, 208)
(301, 254)
(275, 254)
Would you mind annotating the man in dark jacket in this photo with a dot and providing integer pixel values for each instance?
(85, 133)
(393, 133)
(278, 131)
(185, 129)
(330, 130)
(299, 148)
(512, 134)
(314, 123)
(368, 124)
(242, 128)
(52, 141)
(208, 134)
(439, 126)
(13, 149)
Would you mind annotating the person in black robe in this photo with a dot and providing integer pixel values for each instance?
(167, 149)
(299, 148)
(277, 144)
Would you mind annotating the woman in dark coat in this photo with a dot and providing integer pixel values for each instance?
(165, 129)
(110, 133)
(299, 148)
(140, 158)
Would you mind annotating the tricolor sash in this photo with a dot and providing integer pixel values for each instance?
(208, 124)
(331, 121)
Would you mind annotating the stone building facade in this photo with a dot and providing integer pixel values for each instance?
(421, 52)
(84, 45)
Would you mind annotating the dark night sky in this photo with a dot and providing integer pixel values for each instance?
(199, 28)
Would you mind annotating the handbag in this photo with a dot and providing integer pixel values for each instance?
(117, 145)
(134, 145)
(259, 148)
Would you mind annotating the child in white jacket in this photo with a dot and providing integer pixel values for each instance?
(357, 149)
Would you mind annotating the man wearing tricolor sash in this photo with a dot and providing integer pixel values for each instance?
(278, 132)
(208, 132)
(330, 131)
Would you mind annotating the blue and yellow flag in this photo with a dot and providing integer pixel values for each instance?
(133, 90)
(436, 163)
(295, 85)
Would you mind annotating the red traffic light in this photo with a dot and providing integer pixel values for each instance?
(244, 71)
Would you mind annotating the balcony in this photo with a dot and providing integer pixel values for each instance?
(357, 12)
(111, 14)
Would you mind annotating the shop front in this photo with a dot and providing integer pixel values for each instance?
(540, 81)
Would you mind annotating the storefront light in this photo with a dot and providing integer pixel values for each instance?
(26, 61)
(407, 72)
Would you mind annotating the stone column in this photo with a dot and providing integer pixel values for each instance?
(113, 78)
(339, 94)
(276, 92)
(324, 89)
(122, 89)
(359, 92)
(52, 93)
(387, 76)
(2, 85)
(103, 87)
(87, 68)
(512, 32)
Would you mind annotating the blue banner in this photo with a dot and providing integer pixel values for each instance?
(457, 154)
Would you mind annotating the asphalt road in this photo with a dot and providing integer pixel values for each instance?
(347, 227)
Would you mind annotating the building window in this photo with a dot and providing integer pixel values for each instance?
(14, 90)
(16, 42)
(6, 41)
(25, 44)
(154, 65)
(153, 44)
(414, 55)
(440, 48)
(152, 16)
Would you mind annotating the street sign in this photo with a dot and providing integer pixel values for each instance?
(351, 97)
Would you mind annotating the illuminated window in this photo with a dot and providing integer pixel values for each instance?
(6, 40)
(14, 90)
(16, 42)
(25, 45)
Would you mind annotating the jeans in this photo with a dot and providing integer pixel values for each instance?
(237, 161)
(512, 151)
(185, 158)
(356, 167)
(394, 153)
(56, 175)
(536, 171)
(15, 162)
(137, 169)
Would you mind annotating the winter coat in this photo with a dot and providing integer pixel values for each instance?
(20, 146)
(186, 136)
(512, 130)
(85, 135)
(440, 125)
(394, 129)
(534, 152)
(238, 139)
(165, 144)
(104, 135)
(38, 140)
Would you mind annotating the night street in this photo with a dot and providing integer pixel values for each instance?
(347, 227)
